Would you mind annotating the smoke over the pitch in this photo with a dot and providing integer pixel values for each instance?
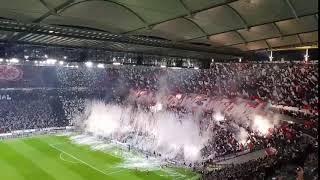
(177, 136)
(161, 132)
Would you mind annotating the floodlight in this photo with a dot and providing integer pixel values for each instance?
(100, 66)
(89, 64)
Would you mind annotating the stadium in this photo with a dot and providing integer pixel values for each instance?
(159, 89)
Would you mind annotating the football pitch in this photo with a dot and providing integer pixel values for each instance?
(57, 158)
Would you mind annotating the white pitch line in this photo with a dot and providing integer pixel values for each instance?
(179, 178)
(116, 172)
(92, 167)
(194, 177)
(67, 160)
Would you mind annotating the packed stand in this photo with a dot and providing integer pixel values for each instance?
(294, 150)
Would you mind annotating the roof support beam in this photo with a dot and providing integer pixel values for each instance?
(184, 15)
(243, 21)
(21, 34)
(186, 8)
(277, 28)
(51, 9)
(250, 26)
(288, 47)
(56, 10)
(198, 26)
(190, 18)
(271, 38)
(53, 39)
(293, 10)
(39, 37)
(269, 46)
(242, 38)
(88, 35)
(62, 7)
(147, 25)
(300, 40)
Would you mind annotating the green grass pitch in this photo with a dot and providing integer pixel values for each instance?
(56, 158)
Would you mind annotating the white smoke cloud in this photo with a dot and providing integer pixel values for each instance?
(163, 132)
(157, 107)
(242, 136)
(101, 120)
(261, 124)
(218, 116)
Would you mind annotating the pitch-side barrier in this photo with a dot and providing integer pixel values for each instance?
(36, 132)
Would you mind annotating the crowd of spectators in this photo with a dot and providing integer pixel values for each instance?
(293, 151)
(281, 84)
(31, 112)
(293, 85)
(73, 107)
(289, 84)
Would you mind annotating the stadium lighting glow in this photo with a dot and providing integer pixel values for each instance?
(61, 62)
(89, 64)
(271, 57)
(306, 57)
(14, 60)
(163, 66)
(64, 57)
(196, 67)
(175, 67)
(36, 62)
(46, 56)
(212, 60)
(1, 60)
(240, 59)
(51, 61)
(100, 66)
(26, 57)
(116, 63)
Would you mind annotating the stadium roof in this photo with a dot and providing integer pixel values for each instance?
(189, 28)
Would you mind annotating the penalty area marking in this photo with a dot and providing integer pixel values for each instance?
(180, 176)
(63, 159)
(85, 163)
